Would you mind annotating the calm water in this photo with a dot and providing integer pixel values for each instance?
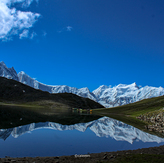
(54, 139)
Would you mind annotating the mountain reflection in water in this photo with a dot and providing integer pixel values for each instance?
(103, 127)
(54, 139)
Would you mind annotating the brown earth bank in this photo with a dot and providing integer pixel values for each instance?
(152, 154)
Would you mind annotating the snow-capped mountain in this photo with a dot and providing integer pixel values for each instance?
(9, 73)
(105, 95)
(103, 127)
(124, 94)
(83, 92)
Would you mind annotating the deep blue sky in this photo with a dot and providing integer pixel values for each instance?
(88, 43)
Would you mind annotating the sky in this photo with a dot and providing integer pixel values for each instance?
(84, 43)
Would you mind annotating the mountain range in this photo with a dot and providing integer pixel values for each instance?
(102, 127)
(14, 92)
(105, 95)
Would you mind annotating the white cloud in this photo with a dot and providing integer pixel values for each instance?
(44, 33)
(33, 34)
(25, 3)
(13, 21)
(24, 34)
(69, 28)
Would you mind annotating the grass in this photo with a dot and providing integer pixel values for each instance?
(18, 101)
(128, 113)
(37, 104)
(21, 105)
(16, 93)
(154, 113)
(18, 108)
(14, 116)
(24, 105)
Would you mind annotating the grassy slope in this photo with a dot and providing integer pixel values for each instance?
(16, 93)
(13, 116)
(128, 113)
(21, 101)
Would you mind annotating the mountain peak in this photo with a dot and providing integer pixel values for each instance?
(121, 85)
(104, 87)
(106, 95)
(9, 73)
(85, 89)
(22, 73)
(2, 63)
(134, 84)
(127, 85)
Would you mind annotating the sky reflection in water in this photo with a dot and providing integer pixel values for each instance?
(53, 139)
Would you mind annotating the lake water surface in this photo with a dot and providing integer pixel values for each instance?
(53, 139)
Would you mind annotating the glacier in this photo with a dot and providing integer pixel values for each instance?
(107, 96)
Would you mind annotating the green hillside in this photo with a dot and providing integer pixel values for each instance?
(14, 92)
(21, 105)
(128, 113)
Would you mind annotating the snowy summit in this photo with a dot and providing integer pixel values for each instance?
(105, 95)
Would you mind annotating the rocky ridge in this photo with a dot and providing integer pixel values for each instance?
(155, 120)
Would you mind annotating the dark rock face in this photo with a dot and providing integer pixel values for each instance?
(107, 96)
(14, 91)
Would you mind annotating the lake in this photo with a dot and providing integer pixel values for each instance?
(53, 139)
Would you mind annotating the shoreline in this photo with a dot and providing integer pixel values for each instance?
(143, 154)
